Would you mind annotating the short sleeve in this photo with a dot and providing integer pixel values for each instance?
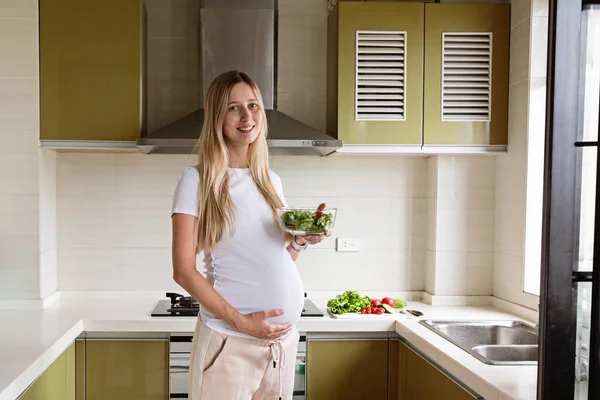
(185, 199)
(278, 185)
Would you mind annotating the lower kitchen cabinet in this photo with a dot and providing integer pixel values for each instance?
(420, 380)
(393, 368)
(57, 382)
(347, 369)
(126, 369)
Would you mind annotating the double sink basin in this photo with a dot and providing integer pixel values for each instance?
(492, 342)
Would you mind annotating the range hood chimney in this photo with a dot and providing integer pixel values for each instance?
(240, 35)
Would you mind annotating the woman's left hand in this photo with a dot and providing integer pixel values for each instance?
(311, 239)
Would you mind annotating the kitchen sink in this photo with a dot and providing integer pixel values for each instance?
(512, 354)
(492, 342)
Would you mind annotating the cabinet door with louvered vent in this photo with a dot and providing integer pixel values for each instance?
(466, 75)
(380, 73)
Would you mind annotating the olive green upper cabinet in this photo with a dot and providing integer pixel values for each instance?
(466, 74)
(380, 72)
(90, 69)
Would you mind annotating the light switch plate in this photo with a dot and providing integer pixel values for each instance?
(348, 244)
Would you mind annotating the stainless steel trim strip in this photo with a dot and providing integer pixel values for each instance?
(88, 144)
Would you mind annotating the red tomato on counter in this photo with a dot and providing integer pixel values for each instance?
(375, 302)
(388, 301)
(380, 310)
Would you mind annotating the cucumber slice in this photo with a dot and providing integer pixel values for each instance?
(388, 309)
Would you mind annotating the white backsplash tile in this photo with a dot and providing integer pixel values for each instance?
(461, 226)
(511, 179)
(508, 276)
(145, 227)
(510, 230)
(465, 230)
(461, 171)
(464, 273)
(367, 270)
(85, 174)
(22, 284)
(122, 221)
(431, 235)
(86, 221)
(19, 261)
(430, 260)
(47, 200)
(143, 175)
(19, 174)
(48, 272)
(340, 176)
(419, 221)
(22, 218)
(19, 135)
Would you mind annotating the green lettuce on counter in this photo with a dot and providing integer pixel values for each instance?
(348, 302)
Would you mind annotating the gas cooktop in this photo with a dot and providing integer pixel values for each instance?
(186, 306)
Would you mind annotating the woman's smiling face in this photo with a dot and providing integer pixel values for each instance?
(243, 117)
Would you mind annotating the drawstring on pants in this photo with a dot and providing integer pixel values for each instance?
(279, 360)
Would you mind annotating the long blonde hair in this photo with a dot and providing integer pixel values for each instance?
(216, 213)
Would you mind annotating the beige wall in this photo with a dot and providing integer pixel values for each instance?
(460, 245)
(525, 141)
(19, 132)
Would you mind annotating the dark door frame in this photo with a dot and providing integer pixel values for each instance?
(558, 291)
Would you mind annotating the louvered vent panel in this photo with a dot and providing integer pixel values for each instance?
(466, 76)
(380, 75)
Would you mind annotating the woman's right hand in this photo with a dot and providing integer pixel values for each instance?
(256, 324)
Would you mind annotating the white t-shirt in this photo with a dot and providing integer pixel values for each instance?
(251, 270)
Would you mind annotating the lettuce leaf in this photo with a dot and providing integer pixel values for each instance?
(308, 221)
(347, 302)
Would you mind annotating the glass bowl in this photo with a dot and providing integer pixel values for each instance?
(303, 221)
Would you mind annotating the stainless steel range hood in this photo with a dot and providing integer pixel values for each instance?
(240, 35)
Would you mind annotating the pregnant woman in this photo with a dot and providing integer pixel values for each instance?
(245, 340)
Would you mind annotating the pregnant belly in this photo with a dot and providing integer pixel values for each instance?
(275, 287)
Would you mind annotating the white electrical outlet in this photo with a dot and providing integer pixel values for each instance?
(348, 244)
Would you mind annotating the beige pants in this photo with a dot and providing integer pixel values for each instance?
(225, 367)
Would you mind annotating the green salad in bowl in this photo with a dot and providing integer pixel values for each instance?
(306, 221)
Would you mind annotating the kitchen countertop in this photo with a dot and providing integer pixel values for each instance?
(33, 339)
